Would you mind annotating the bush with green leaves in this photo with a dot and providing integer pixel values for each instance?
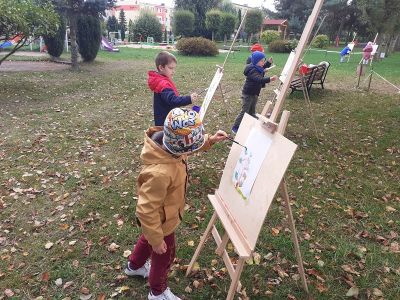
(197, 46)
(147, 25)
(88, 37)
(269, 36)
(55, 43)
(321, 41)
(280, 46)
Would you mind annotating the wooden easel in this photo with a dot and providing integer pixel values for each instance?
(234, 233)
(351, 52)
(360, 67)
(221, 213)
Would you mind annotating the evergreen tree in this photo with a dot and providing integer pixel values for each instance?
(213, 21)
(253, 21)
(199, 9)
(89, 36)
(183, 23)
(122, 23)
(228, 21)
(112, 24)
(55, 43)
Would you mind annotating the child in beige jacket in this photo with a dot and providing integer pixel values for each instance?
(161, 188)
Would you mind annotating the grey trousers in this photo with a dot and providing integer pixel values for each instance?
(249, 103)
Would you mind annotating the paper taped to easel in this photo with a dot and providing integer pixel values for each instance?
(210, 92)
(287, 67)
(374, 49)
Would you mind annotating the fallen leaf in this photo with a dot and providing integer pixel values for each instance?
(67, 284)
(352, 292)
(85, 297)
(390, 209)
(58, 282)
(101, 297)
(48, 245)
(9, 293)
(377, 292)
(113, 247)
(190, 243)
(257, 258)
(188, 289)
(350, 269)
(126, 253)
(275, 231)
(45, 276)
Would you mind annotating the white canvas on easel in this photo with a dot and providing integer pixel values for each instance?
(249, 215)
(211, 91)
(374, 49)
(286, 68)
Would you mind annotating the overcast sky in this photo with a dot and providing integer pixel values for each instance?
(251, 3)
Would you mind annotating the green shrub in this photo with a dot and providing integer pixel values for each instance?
(88, 37)
(55, 43)
(280, 46)
(321, 41)
(293, 44)
(269, 36)
(197, 46)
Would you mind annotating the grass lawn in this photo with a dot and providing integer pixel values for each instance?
(69, 156)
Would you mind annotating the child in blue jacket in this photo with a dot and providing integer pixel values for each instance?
(166, 96)
(346, 51)
(255, 81)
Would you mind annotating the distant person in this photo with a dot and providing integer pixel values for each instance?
(367, 53)
(344, 53)
(258, 47)
(161, 189)
(166, 96)
(255, 81)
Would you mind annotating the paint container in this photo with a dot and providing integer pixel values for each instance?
(196, 108)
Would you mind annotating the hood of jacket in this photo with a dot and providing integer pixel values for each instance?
(152, 151)
(157, 82)
(250, 68)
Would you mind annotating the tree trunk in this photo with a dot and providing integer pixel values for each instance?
(212, 36)
(74, 46)
(393, 43)
(225, 39)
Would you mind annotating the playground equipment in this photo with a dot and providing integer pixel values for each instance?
(105, 45)
(14, 41)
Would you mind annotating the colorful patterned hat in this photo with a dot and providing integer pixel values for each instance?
(183, 131)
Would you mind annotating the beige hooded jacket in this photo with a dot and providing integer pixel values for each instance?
(161, 188)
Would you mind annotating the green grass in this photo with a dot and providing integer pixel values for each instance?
(71, 141)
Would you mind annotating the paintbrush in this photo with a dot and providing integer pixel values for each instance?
(231, 139)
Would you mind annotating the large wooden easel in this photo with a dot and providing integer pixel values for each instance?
(221, 213)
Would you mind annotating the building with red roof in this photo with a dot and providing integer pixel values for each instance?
(276, 24)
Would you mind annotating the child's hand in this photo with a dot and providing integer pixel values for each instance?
(194, 97)
(160, 249)
(220, 135)
(273, 78)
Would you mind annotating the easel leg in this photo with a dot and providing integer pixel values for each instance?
(222, 246)
(285, 196)
(370, 79)
(235, 280)
(202, 242)
(267, 109)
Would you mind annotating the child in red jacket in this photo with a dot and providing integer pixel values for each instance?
(166, 96)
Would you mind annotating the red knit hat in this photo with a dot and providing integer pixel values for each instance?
(257, 47)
